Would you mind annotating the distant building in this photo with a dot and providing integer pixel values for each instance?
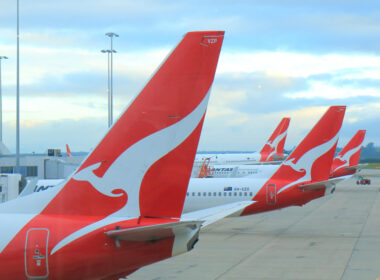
(42, 166)
(10, 186)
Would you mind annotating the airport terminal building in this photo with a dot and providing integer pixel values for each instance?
(33, 167)
(41, 166)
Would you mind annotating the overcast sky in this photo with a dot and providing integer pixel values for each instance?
(279, 58)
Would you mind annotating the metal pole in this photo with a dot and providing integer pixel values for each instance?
(1, 102)
(108, 91)
(111, 35)
(108, 86)
(1, 109)
(111, 83)
(18, 96)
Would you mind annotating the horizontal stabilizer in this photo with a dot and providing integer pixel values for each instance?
(352, 168)
(355, 167)
(214, 214)
(153, 232)
(324, 184)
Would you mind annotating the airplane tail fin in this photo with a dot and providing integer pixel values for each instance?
(349, 156)
(141, 168)
(312, 158)
(274, 148)
(68, 152)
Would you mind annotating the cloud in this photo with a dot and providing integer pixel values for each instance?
(81, 135)
(280, 58)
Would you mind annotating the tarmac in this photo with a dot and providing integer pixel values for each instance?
(336, 237)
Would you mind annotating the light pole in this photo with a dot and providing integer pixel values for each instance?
(1, 103)
(18, 95)
(111, 35)
(108, 52)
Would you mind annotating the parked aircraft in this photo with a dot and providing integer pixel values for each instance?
(302, 177)
(272, 151)
(122, 208)
(68, 152)
(345, 163)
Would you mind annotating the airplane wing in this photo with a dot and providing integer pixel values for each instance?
(214, 214)
(324, 184)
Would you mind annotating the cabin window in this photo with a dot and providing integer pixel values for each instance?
(204, 194)
(245, 194)
(240, 194)
(209, 194)
(220, 194)
(250, 194)
(187, 194)
(199, 194)
(214, 193)
(193, 193)
(229, 194)
(235, 193)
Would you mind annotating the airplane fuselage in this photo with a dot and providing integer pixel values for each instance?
(230, 158)
(34, 246)
(209, 192)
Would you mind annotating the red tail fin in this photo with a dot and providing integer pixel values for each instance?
(311, 160)
(68, 152)
(143, 165)
(349, 156)
(275, 144)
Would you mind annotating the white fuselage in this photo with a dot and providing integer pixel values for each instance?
(238, 158)
(208, 192)
(237, 171)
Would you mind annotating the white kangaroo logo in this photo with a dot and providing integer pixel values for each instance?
(273, 144)
(306, 161)
(128, 170)
(346, 157)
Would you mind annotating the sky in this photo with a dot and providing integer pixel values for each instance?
(279, 59)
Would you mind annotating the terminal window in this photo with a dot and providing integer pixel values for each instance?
(6, 169)
(31, 171)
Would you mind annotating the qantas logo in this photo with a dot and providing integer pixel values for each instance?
(128, 170)
(42, 188)
(273, 144)
(346, 157)
(306, 161)
(222, 169)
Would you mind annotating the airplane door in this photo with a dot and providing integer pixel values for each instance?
(36, 253)
(271, 194)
